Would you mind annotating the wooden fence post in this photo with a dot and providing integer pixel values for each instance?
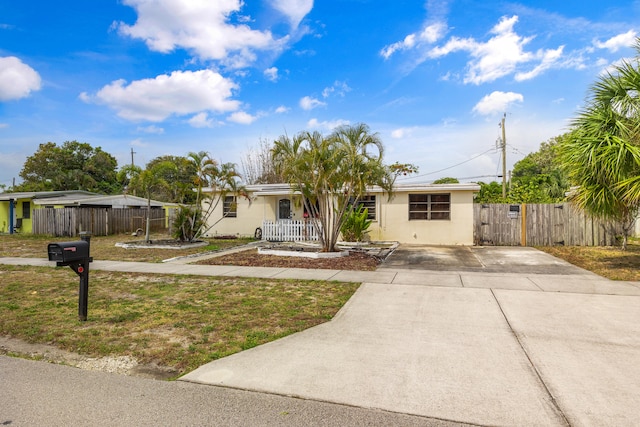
(523, 227)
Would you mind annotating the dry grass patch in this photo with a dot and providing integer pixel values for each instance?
(173, 321)
(609, 262)
(103, 247)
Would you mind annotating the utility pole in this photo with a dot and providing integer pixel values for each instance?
(132, 153)
(504, 158)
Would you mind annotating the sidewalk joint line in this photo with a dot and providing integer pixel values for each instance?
(533, 366)
(535, 284)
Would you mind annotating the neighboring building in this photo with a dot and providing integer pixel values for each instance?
(16, 209)
(436, 214)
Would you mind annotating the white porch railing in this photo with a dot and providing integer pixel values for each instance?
(289, 230)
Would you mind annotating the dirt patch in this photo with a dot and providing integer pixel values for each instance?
(124, 365)
(161, 244)
(251, 258)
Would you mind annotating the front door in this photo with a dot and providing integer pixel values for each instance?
(284, 209)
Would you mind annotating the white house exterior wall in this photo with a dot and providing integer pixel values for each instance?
(392, 220)
(250, 215)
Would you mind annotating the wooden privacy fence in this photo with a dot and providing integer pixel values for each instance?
(540, 225)
(97, 221)
(289, 230)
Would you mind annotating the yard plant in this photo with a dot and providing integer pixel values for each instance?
(330, 171)
(355, 226)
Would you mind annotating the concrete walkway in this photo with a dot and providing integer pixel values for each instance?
(486, 348)
(473, 355)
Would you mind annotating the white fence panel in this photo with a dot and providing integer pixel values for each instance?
(289, 230)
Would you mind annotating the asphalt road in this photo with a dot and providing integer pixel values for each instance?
(43, 394)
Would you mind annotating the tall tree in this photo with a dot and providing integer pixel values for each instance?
(332, 171)
(71, 166)
(542, 173)
(148, 181)
(213, 183)
(181, 179)
(258, 166)
(602, 155)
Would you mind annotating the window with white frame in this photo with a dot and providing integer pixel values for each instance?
(230, 207)
(429, 207)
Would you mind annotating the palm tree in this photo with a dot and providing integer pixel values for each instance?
(602, 156)
(330, 172)
(146, 182)
(219, 180)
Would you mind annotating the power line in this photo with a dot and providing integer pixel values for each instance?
(479, 176)
(449, 167)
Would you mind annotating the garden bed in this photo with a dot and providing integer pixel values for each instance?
(161, 244)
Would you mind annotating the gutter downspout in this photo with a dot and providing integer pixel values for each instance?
(11, 212)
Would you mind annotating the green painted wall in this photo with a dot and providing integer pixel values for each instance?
(23, 208)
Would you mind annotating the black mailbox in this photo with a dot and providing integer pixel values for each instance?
(75, 255)
(65, 253)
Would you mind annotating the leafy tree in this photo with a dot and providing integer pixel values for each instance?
(71, 166)
(602, 154)
(446, 180)
(398, 169)
(527, 192)
(542, 172)
(181, 179)
(331, 171)
(489, 193)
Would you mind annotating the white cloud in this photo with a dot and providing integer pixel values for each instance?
(616, 43)
(294, 10)
(242, 118)
(497, 102)
(401, 133)
(140, 143)
(204, 28)
(501, 55)
(151, 129)
(4, 125)
(180, 93)
(430, 34)
(327, 125)
(549, 59)
(338, 87)
(271, 74)
(201, 120)
(282, 109)
(17, 79)
(308, 103)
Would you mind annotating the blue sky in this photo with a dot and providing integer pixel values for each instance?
(432, 78)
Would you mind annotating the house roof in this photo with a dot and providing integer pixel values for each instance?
(68, 195)
(285, 189)
(82, 198)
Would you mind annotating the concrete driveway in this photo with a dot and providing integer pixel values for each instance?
(502, 342)
(487, 259)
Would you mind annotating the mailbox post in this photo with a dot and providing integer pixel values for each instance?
(75, 255)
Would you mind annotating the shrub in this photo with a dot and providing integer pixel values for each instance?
(187, 223)
(355, 225)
